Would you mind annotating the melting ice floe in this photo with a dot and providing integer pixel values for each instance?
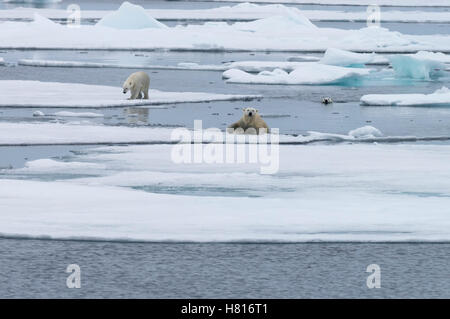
(439, 97)
(72, 133)
(291, 31)
(55, 94)
(130, 16)
(304, 73)
(321, 193)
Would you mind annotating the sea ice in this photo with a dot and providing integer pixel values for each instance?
(321, 193)
(291, 31)
(417, 67)
(340, 57)
(130, 16)
(17, 93)
(306, 73)
(440, 97)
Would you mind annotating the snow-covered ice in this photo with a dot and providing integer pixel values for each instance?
(239, 12)
(289, 32)
(321, 193)
(387, 3)
(2, 61)
(17, 93)
(81, 133)
(440, 97)
(77, 114)
(129, 16)
(79, 64)
(340, 57)
(305, 73)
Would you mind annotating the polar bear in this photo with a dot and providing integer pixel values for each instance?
(138, 83)
(250, 122)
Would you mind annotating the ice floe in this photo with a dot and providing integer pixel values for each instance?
(305, 73)
(130, 16)
(239, 12)
(340, 57)
(77, 114)
(387, 3)
(78, 64)
(321, 193)
(81, 133)
(440, 97)
(17, 93)
(2, 61)
(291, 31)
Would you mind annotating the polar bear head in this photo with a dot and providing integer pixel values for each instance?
(250, 112)
(128, 85)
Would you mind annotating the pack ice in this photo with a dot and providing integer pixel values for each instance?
(16, 93)
(440, 97)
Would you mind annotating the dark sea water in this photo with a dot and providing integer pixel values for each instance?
(37, 269)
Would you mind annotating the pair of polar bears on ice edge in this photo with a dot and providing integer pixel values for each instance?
(138, 84)
(251, 122)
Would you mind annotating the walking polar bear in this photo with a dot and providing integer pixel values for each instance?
(138, 84)
(250, 122)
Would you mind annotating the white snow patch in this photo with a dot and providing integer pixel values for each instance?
(387, 3)
(130, 16)
(439, 97)
(306, 73)
(17, 93)
(46, 166)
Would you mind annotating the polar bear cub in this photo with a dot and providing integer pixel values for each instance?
(250, 122)
(138, 84)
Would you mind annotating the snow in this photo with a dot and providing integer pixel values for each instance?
(45, 166)
(440, 97)
(129, 16)
(289, 32)
(55, 94)
(77, 114)
(241, 12)
(321, 193)
(435, 56)
(340, 57)
(307, 73)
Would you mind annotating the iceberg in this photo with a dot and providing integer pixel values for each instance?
(440, 97)
(130, 16)
(310, 73)
(74, 95)
(415, 67)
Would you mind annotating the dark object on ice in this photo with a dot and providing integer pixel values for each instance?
(327, 100)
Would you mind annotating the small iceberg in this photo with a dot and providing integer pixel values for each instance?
(440, 97)
(130, 16)
(417, 67)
